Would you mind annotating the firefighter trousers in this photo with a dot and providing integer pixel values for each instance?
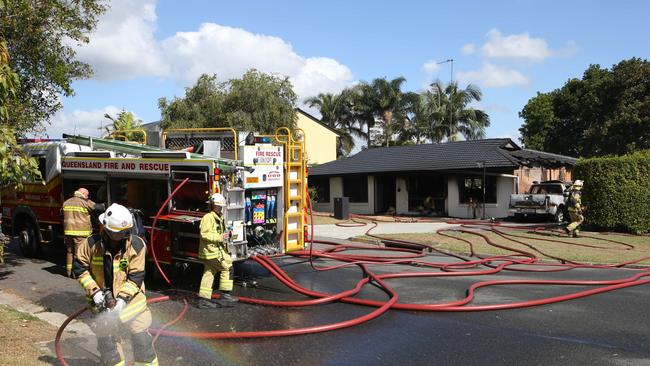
(576, 221)
(223, 265)
(108, 329)
(71, 245)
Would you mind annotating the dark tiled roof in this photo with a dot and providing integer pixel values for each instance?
(425, 157)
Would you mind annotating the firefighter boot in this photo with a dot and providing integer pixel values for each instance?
(206, 304)
(227, 299)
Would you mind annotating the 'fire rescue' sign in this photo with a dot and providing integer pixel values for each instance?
(268, 164)
(133, 166)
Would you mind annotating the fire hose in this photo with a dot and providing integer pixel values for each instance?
(412, 254)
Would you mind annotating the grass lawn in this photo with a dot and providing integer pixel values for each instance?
(612, 252)
(20, 335)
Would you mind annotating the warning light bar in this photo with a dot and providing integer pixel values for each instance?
(262, 140)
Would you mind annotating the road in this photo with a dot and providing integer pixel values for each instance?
(606, 329)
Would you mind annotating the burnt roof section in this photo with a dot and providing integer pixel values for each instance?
(496, 153)
(528, 157)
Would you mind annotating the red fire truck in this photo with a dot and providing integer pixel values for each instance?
(264, 212)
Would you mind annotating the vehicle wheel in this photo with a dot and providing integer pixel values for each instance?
(28, 241)
(559, 215)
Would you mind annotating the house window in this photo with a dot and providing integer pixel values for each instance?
(321, 187)
(471, 187)
(426, 193)
(356, 188)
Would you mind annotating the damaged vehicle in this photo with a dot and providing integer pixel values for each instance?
(543, 199)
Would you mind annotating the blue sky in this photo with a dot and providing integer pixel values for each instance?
(143, 50)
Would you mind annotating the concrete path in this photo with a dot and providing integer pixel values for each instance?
(340, 232)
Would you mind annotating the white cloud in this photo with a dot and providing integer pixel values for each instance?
(468, 49)
(493, 76)
(229, 52)
(123, 45)
(79, 122)
(515, 46)
(431, 67)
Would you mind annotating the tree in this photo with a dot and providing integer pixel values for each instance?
(423, 123)
(256, 102)
(379, 103)
(451, 109)
(607, 112)
(336, 112)
(40, 35)
(124, 121)
(15, 165)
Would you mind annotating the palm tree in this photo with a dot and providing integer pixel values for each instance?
(452, 110)
(422, 124)
(124, 121)
(380, 102)
(336, 112)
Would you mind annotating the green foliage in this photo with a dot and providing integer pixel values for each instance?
(378, 105)
(257, 102)
(336, 112)
(616, 191)
(450, 109)
(124, 121)
(15, 165)
(39, 35)
(607, 112)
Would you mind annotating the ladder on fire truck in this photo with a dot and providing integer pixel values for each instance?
(133, 148)
(295, 183)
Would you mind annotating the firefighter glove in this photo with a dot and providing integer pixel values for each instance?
(119, 305)
(98, 298)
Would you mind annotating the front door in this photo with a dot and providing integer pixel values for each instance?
(385, 194)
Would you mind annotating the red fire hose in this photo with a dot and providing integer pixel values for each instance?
(412, 255)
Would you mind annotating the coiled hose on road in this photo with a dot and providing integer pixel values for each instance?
(412, 255)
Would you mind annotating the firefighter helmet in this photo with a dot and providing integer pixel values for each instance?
(218, 199)
(116, 218)
(577, 184)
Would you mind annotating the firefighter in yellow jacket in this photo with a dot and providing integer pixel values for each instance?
(76, 223)
(213, 250)
(574, 203)
(110, 268)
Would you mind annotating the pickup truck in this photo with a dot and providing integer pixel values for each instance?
(543, 199)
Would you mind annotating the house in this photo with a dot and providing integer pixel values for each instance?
(444, 179)
(320, 139)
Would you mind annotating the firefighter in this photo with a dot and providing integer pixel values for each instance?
(110, 268)
(213, 250)
(575, 209)
(76, 223)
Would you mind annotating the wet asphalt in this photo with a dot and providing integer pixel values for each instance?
(605, 329)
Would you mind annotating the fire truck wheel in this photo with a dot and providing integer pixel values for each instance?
(28, 240)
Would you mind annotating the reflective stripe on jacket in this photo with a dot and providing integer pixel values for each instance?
(211, 245)
(95, 266)
(76, 216)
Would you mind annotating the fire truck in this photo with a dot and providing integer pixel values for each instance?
(263, 179)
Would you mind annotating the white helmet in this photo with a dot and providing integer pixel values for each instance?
(578, 183)
(218, 199)
(116, 218)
